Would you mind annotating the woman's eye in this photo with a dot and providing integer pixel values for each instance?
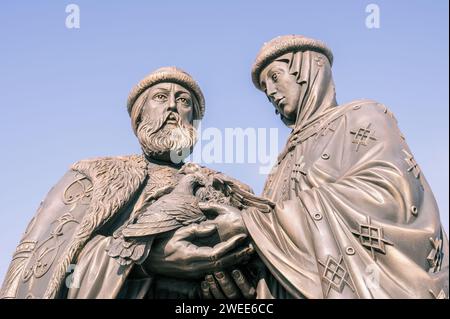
(275, 77)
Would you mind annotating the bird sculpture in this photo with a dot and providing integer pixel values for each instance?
(177, 207)
(222, 189)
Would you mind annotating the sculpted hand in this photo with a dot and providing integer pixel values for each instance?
(223, 285)
(178, 257)
(228, 220)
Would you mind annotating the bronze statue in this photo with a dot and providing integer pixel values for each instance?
(106, 230)
(354, 216)
(345, 213)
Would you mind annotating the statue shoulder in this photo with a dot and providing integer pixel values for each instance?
(71, 187)
(76, 185)
(369, 120)
(369, 114)
(114, 163)
(78, 182)
(90, 194)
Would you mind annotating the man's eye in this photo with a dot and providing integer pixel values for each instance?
(160, 97)
(183, 100)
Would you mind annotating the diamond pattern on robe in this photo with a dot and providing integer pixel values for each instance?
(440, 295)
(372, 237)
(335, 275)
(413, 166)
(362, 136)
(436, 255)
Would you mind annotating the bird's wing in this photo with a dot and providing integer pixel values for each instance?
(186, 210)
(151, 224)
(142, 204)
(168, 213)
(127, 251)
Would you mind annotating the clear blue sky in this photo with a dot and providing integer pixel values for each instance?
(63, 91)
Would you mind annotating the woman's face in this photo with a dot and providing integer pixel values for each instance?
(281, 88)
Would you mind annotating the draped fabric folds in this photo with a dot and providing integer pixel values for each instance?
(355, 216)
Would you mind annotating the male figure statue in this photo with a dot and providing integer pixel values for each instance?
(75, 248)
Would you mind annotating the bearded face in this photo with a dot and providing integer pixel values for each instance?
(165, 129)
(167, 137)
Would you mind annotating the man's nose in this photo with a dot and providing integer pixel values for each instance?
(172, 103)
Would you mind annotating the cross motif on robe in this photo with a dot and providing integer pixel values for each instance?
(413, 166)
(372, 237)
(440, 295)
(436, 255)
(362, 136)
(335, 275)
(324, 131)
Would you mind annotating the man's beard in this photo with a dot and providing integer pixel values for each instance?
(163, 141)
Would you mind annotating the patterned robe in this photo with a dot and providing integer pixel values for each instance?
(63, 252)
(355, 216)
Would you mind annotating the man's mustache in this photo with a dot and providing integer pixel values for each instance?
(160, 122)
(168, 114)
(156, 138)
